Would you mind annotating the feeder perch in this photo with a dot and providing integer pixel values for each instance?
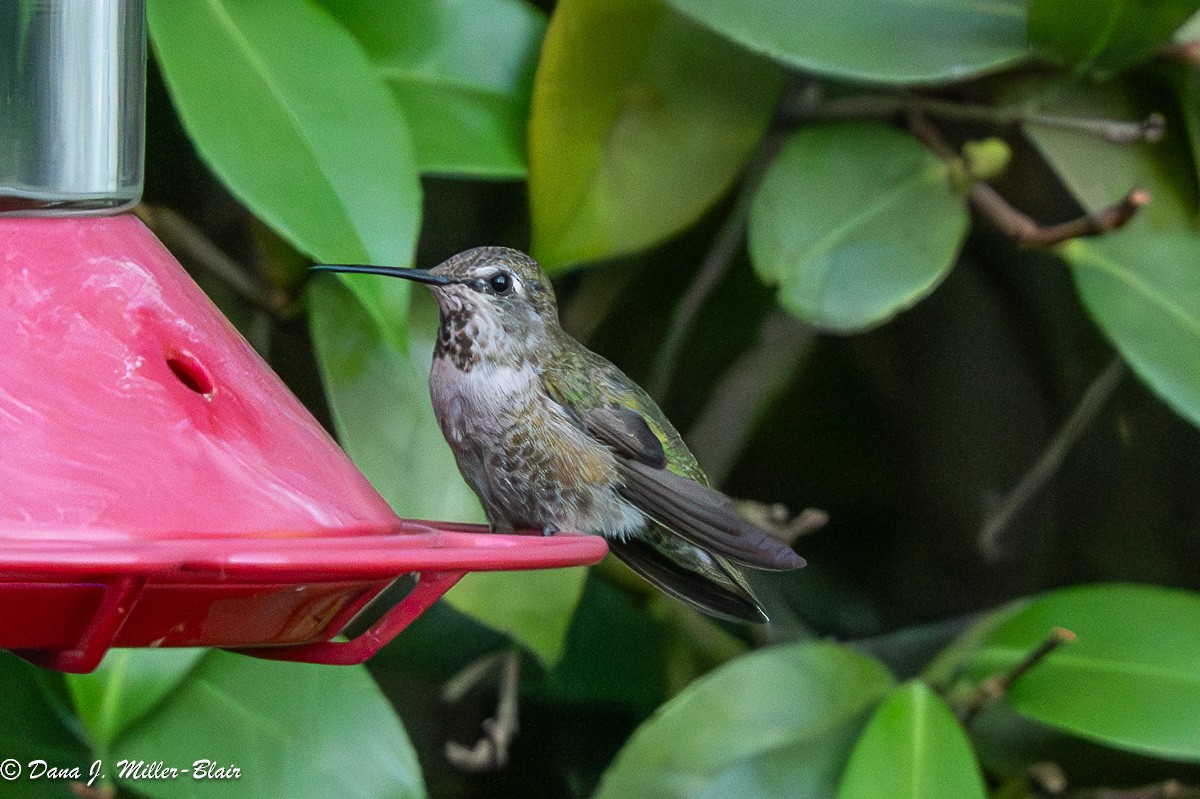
(159, 485)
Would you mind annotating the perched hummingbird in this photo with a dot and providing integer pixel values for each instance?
(551, 436)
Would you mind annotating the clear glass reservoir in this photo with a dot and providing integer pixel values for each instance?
(72, 100)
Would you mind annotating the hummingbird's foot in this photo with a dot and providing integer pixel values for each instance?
(549, 530)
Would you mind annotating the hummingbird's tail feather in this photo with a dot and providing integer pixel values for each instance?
(704, 516)
(702, 580)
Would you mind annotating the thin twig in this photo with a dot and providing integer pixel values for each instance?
(1187, 53)
(1015, 223)
(1048, 779)
(1117, 131)
(1167, 789)
(886, 106)
(717, 262)
(592, 301)
(779, 521)
(490, 752)
(1047, 465)
(745, 391)
(997, 685)
(185, 239)
(470, 676)
(1028, 233)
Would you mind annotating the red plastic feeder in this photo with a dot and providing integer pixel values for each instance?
(160, 486)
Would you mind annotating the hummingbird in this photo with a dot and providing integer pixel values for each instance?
(553, 437)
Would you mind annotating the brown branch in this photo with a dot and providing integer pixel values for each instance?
(1028, 233)
(188, 242)
(779, 521)
(490, 752)
(746, 389)
(886, 106)
(1186, 53)
(1167, 789)
(997, 685)
(726, 245)
(1094, 398)
(1015, 223)
(1047, 779)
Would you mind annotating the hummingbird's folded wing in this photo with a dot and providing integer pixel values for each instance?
(704, 516)
(701, 579)
(626, 432)
(694, 511)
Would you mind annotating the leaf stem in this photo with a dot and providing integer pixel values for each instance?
(1096, 396)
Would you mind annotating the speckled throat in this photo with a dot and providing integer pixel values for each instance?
(456, 338)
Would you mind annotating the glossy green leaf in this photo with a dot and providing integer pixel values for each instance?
(461, 73)
(1190, 30)
(380, 403)
(1131, 680)
(32, 727)
(1099, 172)
(1143, 290)
(534, 607)
(125, 686)
(1104, 36)
(285, 107)
(641, 119)
(379, 399)
(912, 747)
(293, 730)
(1188, 82)
(834, 224)
(774, 723)
(863, 40)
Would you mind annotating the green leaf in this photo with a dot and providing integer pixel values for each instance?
(1131, 680)
(835, 224)
(614, 655)
(461, 73)
(774, 723)
(284, 106)
(865, 41)
(379, 399)
(125, 686)
(534, 607)
(1099, 172)
(912, 747)
(294, 730)
(1188, 82)
(32, 727)
(1143, 290)
(1104, 36)
(641, 119)
(1190, 30)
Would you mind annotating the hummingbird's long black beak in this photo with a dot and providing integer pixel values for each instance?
(419, 275)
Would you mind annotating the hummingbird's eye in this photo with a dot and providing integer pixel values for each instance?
(500, 282)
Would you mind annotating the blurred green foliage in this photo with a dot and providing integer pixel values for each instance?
(743, 205)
